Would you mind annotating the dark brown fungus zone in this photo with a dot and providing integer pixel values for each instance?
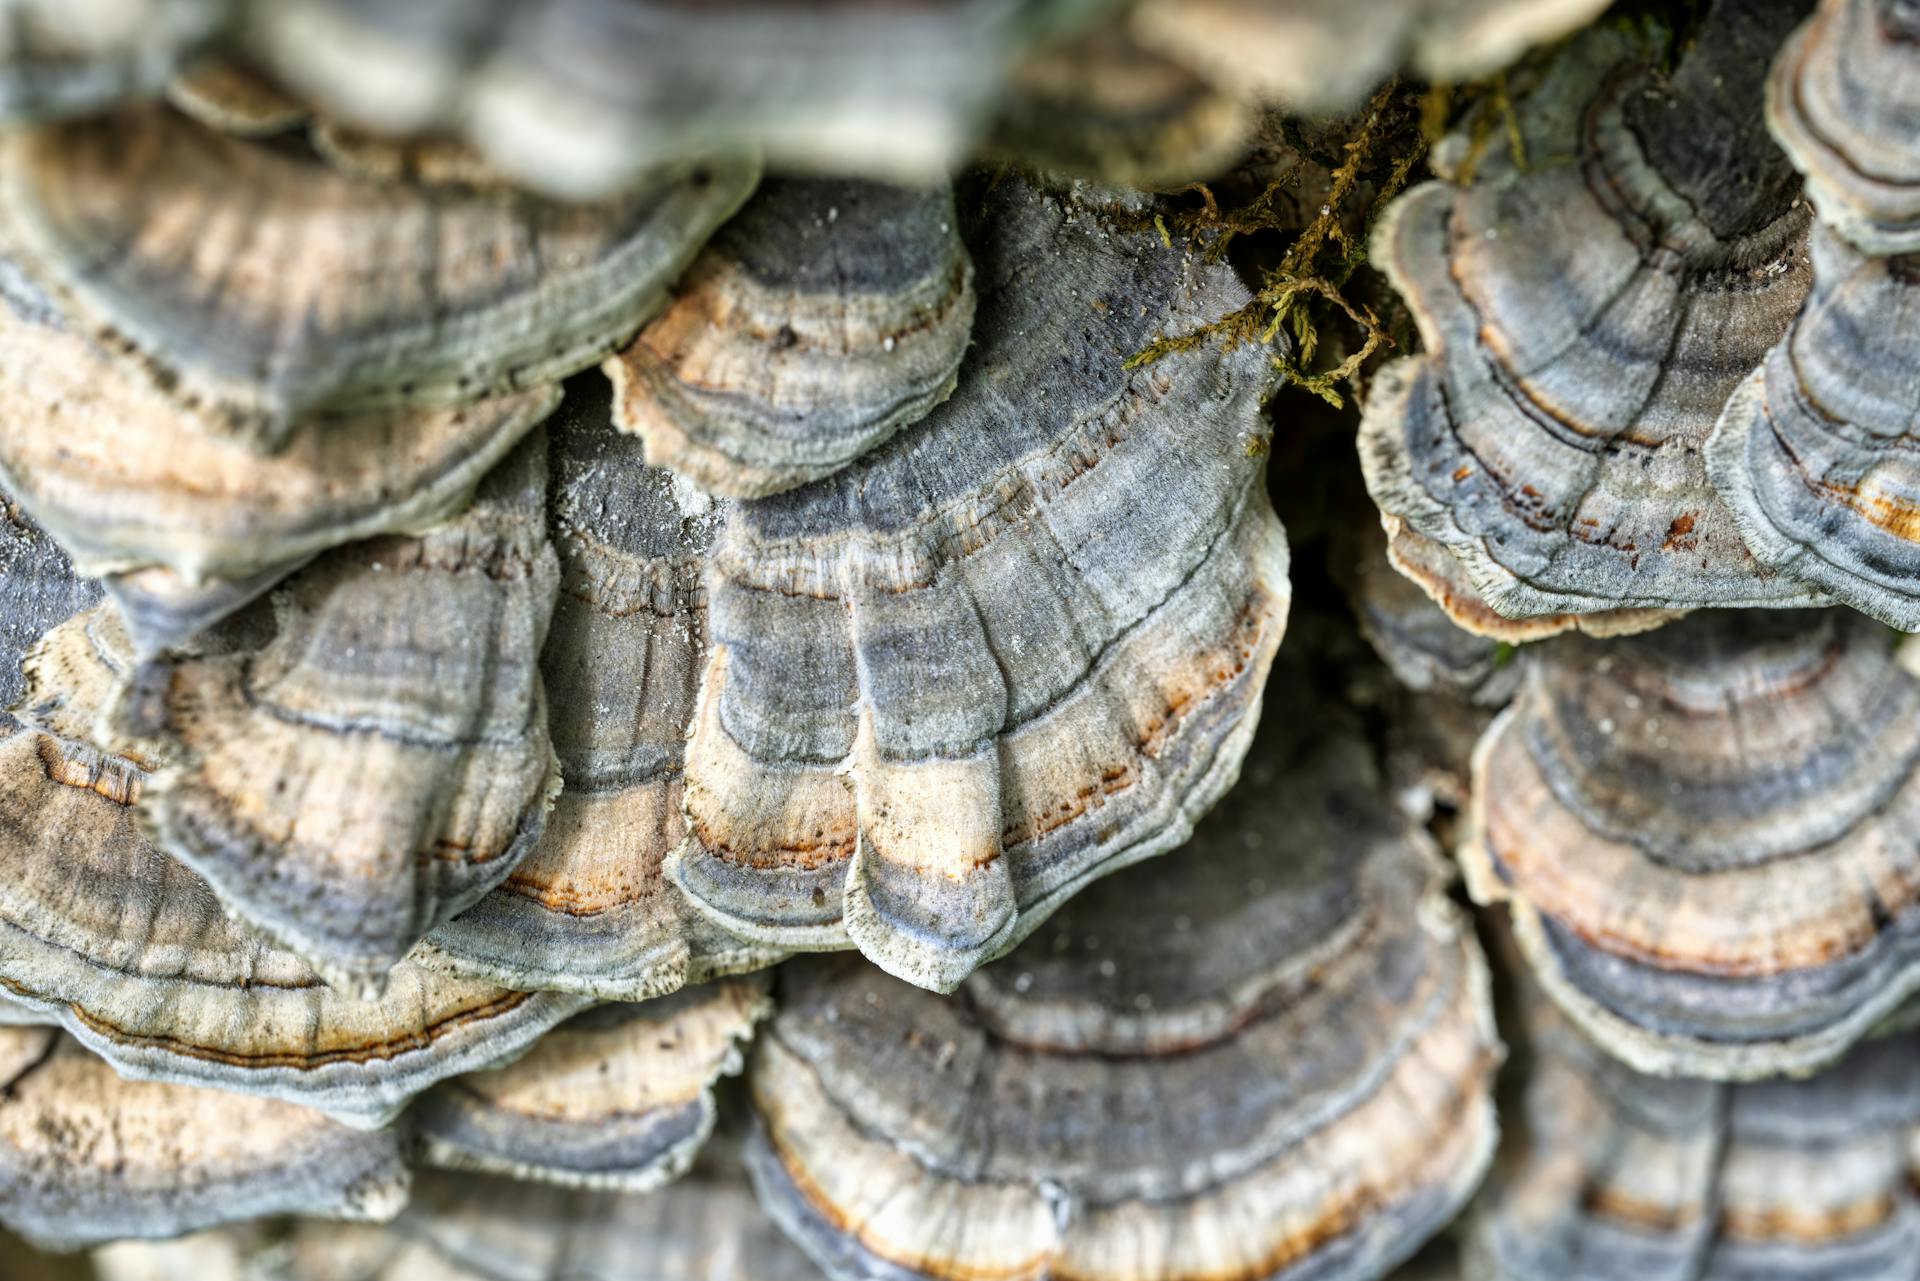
(823, 318)
(1706, 836)
(590, 908)
(1281, 1070)
(1585, 317)
(256, 285)
(376, 756)
(1014, 648)
(88, 1157)
(1844, 101)
(1815, 453)
(1616, 1174)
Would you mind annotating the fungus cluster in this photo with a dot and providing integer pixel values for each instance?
(557, 552)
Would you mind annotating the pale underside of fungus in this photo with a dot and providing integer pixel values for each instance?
(1814, 454)
(66, 57)
(822, 319)
(590, 909)
(379, 758)
(1616, 1174)
(1019, 645)
(1844, 101)
(575, 97)
(1585, 317)
(257, 286)
(1706, 837)
(86, 1156)
(1317, 56)
(191, 523)
(1287, 1074)
(618, 1098)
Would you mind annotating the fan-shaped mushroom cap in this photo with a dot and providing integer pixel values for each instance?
(86, 1156)
(821, 320)
(382, 759)
(620, 1097)
(1108, 108)
(68, 57)
(228, 96)
(578, 96)
(259, 287)
(1413, 635)
(38, 589)
(127, 482)
(1813, 454)
(1706, 837)
(1623, 1175)
(1584, 323)
(1438, 573)
(1014, 648)
(1844, 100)
(590, 909)
(133, 954)
(1270, 1056)
(1325, 55)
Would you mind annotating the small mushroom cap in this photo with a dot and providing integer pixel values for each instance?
(228, 96)
(578, 98)
(618, 1098)
(1702, 833)
(1283, 1069)
(1615, 1174)
(590, 910)
(1015, 647)
(87, 1157)
(1813, 454)
(1844, 101)
(128, 482)
(1584, 323)
(1104, 106)
(381, 759)
(1437, 572)
(258, 287)
(134, 956)
(70, 57)
(1319, 56)
(823, 318)
(1411, 633)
